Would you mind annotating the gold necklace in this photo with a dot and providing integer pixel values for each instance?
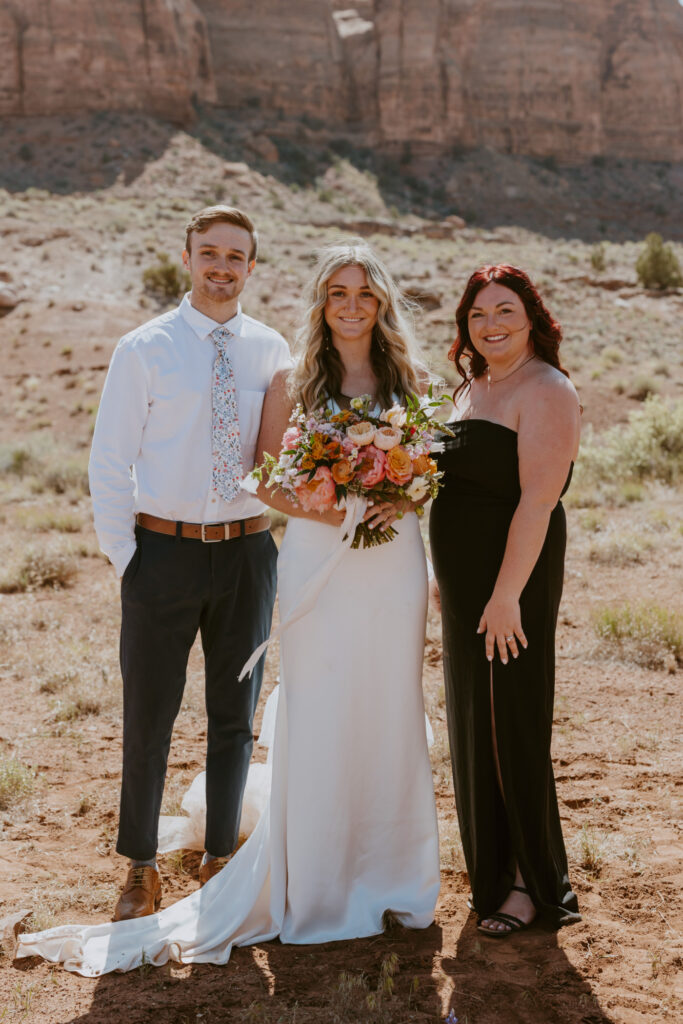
(501, 379)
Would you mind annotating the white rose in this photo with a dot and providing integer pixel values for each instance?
(361, 433)
(395, 417)
(387, 438)
(417, 489)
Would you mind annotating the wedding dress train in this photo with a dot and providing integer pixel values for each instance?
(349, 831)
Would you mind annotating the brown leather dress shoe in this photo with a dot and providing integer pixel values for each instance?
(211, 868)
(141, 894)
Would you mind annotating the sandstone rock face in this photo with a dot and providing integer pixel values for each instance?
(541, 77)
(305, 58)
(544, 77)
(71, 56)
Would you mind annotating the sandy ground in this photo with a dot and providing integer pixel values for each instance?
(75, 262)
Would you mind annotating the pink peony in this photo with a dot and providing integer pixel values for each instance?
(317, 494)
(372, 466)
(348, 447)
(290, 437)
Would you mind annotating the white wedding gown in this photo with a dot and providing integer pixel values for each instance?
(350, 828)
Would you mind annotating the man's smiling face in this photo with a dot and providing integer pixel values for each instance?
(219, 264)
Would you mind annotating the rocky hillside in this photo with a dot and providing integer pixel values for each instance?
(537, 77)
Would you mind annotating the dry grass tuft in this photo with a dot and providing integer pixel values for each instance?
(44, 520)
(591, 849)
(619, 551)
(647, 634)
(47, 567)
(84, 894)
(72, 710)
(16, 782)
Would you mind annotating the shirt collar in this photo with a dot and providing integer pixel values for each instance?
(203, 325)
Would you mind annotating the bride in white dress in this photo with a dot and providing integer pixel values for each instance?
(349, 831)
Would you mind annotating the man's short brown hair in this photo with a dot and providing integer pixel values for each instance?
(203, 220)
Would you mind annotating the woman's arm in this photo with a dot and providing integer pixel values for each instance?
(277, 410)
(548, 438)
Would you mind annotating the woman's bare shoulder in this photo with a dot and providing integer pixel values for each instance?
(280, 381)
(552, 383)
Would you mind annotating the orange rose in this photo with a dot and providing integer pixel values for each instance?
(307, 462)
(332, 450)
(423, 464)
(342, 471)
(318, 448)
(399, 465)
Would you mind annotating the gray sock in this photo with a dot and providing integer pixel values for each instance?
(152, 863)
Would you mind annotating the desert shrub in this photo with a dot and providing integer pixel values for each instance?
(47, 567)
(642, 387)
(611, 355)
(647, 634)
(598, 260)
(44, 520)
(47, 464)
(619, 551)
(166, 278)
(658, 266)
(650, 447)
(16, 782)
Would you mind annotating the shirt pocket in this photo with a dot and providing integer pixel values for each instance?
(249, 405)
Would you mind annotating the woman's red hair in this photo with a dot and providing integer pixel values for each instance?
(545, 335)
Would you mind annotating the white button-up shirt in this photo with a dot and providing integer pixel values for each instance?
(152, 448)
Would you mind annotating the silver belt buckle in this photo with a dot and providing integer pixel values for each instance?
(208, 540)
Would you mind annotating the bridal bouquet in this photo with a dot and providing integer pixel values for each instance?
(327, 455)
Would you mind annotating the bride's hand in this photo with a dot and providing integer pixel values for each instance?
(383, 513)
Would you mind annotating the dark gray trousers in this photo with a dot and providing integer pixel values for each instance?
(172, 588)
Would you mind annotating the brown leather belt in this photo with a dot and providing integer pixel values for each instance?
(209, 533)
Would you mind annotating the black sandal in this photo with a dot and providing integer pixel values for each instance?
(514, 924)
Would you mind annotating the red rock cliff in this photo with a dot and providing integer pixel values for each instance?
(542, 77)
(70, 56)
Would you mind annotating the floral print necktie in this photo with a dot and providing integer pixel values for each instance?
(227, 450)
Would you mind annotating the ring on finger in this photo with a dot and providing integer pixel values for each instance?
(509, 638)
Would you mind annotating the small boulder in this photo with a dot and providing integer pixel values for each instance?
(264, 147)
(8, 298)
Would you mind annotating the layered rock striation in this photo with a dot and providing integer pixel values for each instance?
(73, 56)
(545, 77)
(540, 77)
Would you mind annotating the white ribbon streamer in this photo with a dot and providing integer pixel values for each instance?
(355, 509)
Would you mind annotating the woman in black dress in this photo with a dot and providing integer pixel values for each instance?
(497, 533)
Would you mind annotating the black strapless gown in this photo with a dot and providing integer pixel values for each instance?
(469, 524)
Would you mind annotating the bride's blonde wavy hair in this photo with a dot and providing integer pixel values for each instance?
(394, 353)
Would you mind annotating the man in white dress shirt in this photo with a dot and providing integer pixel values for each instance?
(175, 433)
